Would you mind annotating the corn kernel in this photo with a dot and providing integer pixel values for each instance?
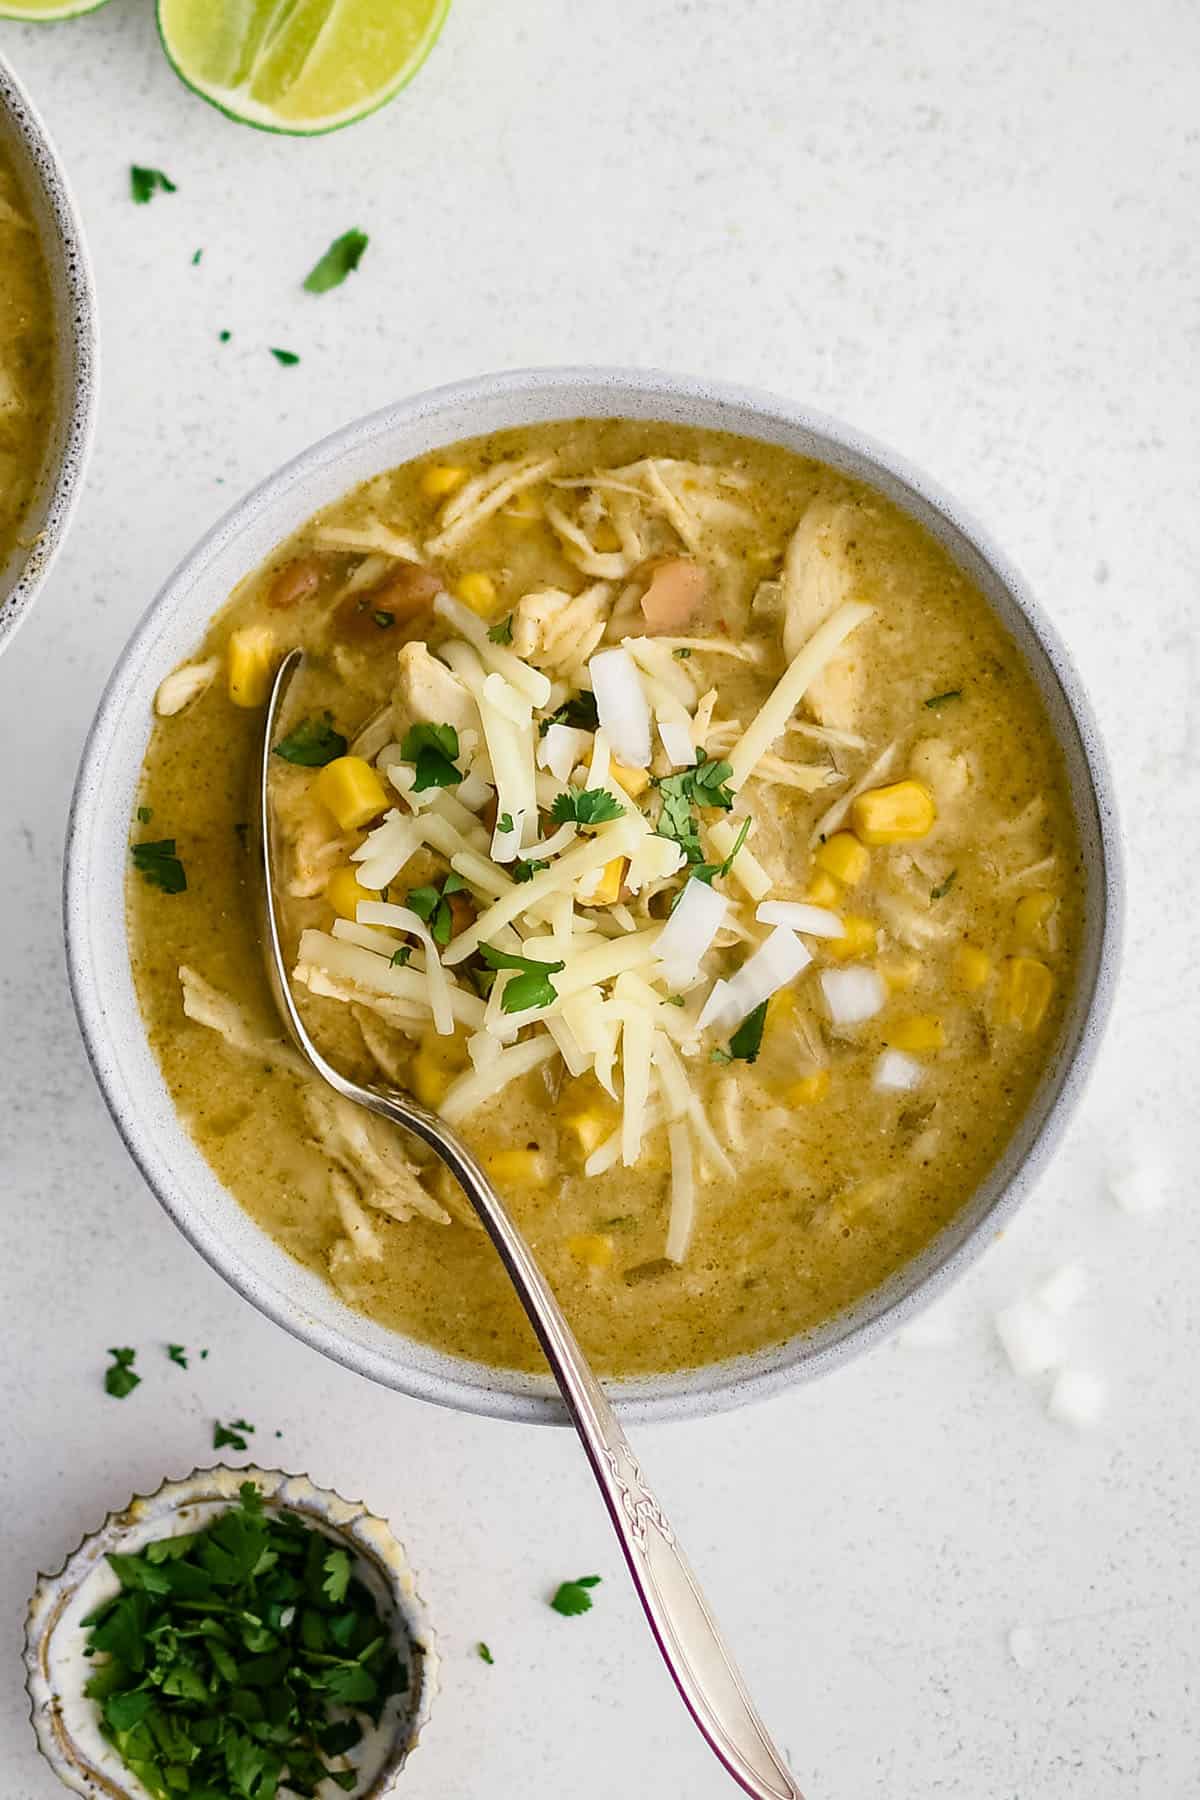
(844, 857)
(607, 890)
(973, 967)
(857, 939)
(441, 479)
(1032, 917)
(344, 891)
(589, 1129)
(919, 1032)
(438, 1060)
(252, 662)
(352, 791)
(1025, 989)
(892, 815)
(822, 890)
(517, 1168)
(477, 591)
(900, 972)
(634, 781)
(592, 1248)
(810, 1090)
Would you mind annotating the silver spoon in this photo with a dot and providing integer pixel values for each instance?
(683, 1627)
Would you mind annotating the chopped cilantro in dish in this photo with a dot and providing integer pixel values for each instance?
(312, 744)
(119, 1377)
(158, 865)
(573, 1597)
(341, 259)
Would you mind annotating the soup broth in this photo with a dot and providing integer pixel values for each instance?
(670, 811)
(26, 358)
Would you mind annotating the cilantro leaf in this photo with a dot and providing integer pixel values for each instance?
(505, 822)
(145, 814)
(936, 700)
(145, 183)
(501, 632)
(532, 985)
(400, 957)
(573, 1598)
(431, 749)
(527, 869)
(579, 711)
(178, 1354)
(341, 259)
(746, 1041)
(337, 1576)
(594, 806)
(287, 358)
(313, 744)
(433, 908)
(707, 872)
(483, 1653)
(384, 620)
(231, 1434)
(158, 864)
(704, 785)
(709, 783)
(119, 1378)
(943, 887)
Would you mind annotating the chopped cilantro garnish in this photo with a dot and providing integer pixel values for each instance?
(505, 822)
(313, 744)
(287, 357)
(178, 1354)
(674, 1000)
(936, 700)
(483, 1653)
(943, 887)
(532, 985)
(573, 1598)
(145, 183)
(594, 806)
(719, 1056)
(527, 869)
(196, 255)
(400, 957)
(501, 632)
(384, 620)
(746, 1041)
(709, 871)
(225, 1658)
(231, 1434)
(223, 337)
(341, 259)
(119, 1378)
(433, 906)
(682, 653)
(145, 814)
(704, 785)
(158, 864)
(579, 711)
(432, 749)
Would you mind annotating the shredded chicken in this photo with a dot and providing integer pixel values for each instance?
(818, 578)
(557, 631)
(208, 1006)
(368, 1150)
(427, 692)
(478, 499)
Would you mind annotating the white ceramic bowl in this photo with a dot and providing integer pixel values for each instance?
(96, 858)
(24, 138)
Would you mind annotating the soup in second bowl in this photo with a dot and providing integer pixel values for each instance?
(26, 358)
(673, 814)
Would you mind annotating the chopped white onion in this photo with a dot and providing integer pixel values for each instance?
(714, 1007)
(698, 915)
(1078, 1398)
(622, 706)
(1029, 1338)
(896, 1073)
(852, 995)
(776, 962)
(1061, 1290)
(677, 742)
(561, 748)
(817, 921)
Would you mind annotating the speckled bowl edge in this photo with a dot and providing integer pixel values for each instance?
(290, 1295)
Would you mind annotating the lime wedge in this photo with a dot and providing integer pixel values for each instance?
(301, 66)
(40, 12)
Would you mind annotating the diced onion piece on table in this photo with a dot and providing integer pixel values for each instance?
(816, 921)
(1063, 1289)
(698, 915)
(852, 995)
(1078, 1398)
(622, 706)
(1029, 1338)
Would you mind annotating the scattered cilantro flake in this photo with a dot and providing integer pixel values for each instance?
(573, 1598)
(527, 868)
(341, 259)
(145, 814)
(936, 700)
(313, 744)
(704, 785)
(288, 358)
(943, 887)
(178, 1354)
(579, 711)
(400, 957)
(384, 620)
(145, 183)
(709, 871)
(431, 749)
(674, 1000)
(483, 1653)
(196, 255)
(594, 806)
(532, 985)
(719, 1056)
(223, 337)
(432, 905)
(501, 632)
(231, 1434)
(223, 1656)
(505, 822)
(158, 864)
(682, 654)
(119, 1378)
(746, 1041)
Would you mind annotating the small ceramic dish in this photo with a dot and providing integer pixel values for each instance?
(24, 139)
(105, 796)
(66, 1721)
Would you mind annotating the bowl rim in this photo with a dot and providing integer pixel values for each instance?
(715, 1386)
(73, 296)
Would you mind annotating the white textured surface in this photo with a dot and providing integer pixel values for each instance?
(968, 230)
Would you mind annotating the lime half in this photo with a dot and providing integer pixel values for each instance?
(301, 66)
(40, 12)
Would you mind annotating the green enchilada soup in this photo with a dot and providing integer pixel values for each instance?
(671, 813)
(26, 358)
